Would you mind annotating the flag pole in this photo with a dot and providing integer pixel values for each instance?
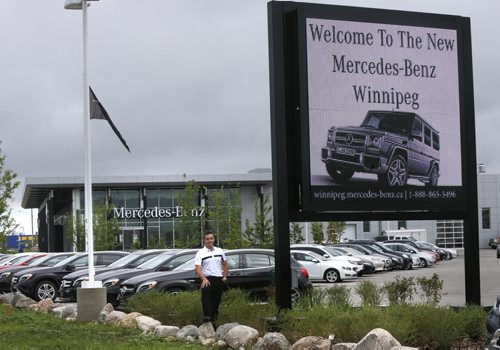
(88, 162)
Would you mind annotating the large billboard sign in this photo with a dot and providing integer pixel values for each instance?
(381, 110)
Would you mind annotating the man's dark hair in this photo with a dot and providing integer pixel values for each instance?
(208, 232)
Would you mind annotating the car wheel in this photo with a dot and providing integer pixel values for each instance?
(332, 276)
(397, 173)
(45, 290)
(175, 290)
(422, 263)
(338, 174)
(433, 177)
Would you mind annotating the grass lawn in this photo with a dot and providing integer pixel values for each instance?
(22, 329)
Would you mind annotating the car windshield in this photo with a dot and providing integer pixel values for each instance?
(65, 261)
(20, 259)
(53, 260)
(37, 260)
(188, 265)
(126, 260)
(333, 251)
(392, 122)
(317, 256)
(377, 248)
(156, 261)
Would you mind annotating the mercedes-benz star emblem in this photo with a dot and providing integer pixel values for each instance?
(348, 139)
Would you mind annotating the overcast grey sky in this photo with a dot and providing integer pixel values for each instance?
(186, 83)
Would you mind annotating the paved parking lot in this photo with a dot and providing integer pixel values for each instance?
(452, 273)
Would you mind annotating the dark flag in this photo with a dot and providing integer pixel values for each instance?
(97, 111)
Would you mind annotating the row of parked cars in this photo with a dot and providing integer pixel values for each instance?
(123, 274)
(351, 259)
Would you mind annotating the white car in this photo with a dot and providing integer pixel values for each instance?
(320, 268)
(330, 254)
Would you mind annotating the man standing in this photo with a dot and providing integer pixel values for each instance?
(211, 266)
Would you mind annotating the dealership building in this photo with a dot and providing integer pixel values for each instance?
(147, 208)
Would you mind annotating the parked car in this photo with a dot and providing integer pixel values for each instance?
(425, 259)
(330, 253)
(400, 260)
(48, 260)
(493, 242)
(396, 146)
(446, 253)
(438, 255)
(71, 282)
(388, 262)
(167, 261)
(377, 263)
(23, 260)
(16, 258)
(321, 268)
(252, 270)
(43, 282)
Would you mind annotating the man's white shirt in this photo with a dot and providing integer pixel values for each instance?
(210, 261)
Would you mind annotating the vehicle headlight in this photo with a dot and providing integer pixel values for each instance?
(111, 282)
(4, 275)
(374, 141)
(406, 256)
(78, 281)
(25, 277)
(146, 286)
(331, 135)
(354, 262)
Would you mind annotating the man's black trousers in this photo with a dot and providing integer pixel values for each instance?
(210, 298)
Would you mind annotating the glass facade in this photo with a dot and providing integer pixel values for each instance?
(167, 230)
(450, 233)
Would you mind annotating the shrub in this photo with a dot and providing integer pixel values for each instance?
(431, 289)
(370, 293)
(338, 296)
(400, 291)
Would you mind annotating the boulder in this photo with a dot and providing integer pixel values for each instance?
(241, 337)
(306, 343)
(115, 317)
(377, 339)
(6, 298)
(187, 331)
(128, 321)
(58, 311)
(206, 331)
(16, 297)
(166, 331)
(344, 346)
(221, 331)
(106, 310)
(45, 305)
(272, 341)
(24, 302)
(220, 344)
(69, 310)
(146, 323)
(33, 307)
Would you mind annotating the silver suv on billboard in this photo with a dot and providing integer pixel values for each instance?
(396, 146)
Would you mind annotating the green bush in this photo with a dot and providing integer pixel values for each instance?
(338, 296)
(370, 293)
(432, 289)
(400, 291)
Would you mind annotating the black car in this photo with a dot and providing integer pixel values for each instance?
(442, 254)
(252, 270)
(163, 262)
(46, 261)
(72, 281)
(43, 282)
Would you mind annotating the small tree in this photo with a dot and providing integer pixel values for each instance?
(190, 229)
(226, 213)
(261, 233)
(317, 232)
(8, 184)
(296, 233)
(334, 231)
(106, 229)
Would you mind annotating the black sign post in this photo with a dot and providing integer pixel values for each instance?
(372, 118)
